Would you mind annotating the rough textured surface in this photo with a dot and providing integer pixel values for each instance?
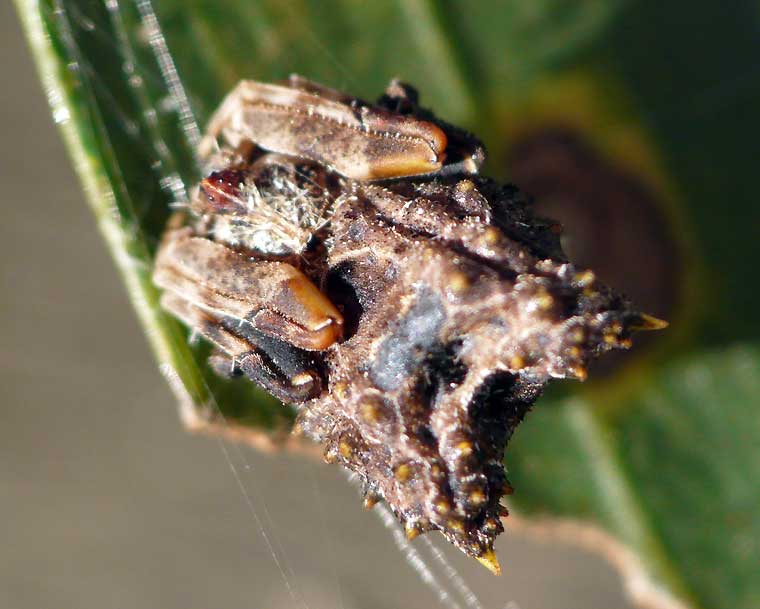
(463, 308)
(450, 307)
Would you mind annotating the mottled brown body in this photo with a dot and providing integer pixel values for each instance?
(413, 321)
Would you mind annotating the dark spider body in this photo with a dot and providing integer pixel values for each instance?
(413, 321)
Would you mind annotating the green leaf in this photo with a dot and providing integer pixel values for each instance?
(662, 452)
(672, 474)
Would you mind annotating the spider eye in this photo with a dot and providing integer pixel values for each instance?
(224, 191)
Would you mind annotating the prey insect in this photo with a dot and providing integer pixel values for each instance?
(348, 258)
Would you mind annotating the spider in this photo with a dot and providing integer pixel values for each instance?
(348, 258)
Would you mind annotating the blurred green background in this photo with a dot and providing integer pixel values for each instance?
(633, 122)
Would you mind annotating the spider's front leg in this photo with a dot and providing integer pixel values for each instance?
(265, 318)
(351, 137)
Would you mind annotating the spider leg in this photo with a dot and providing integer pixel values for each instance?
(288, 373)
(355, 139)
(275, 298)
